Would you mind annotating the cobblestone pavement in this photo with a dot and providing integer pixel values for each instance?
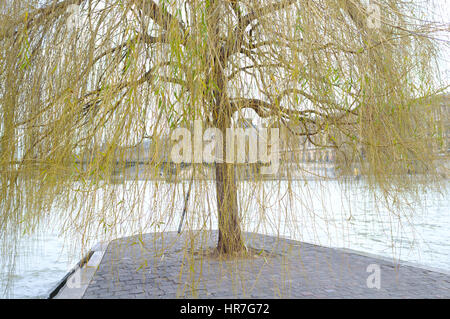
(159, 266)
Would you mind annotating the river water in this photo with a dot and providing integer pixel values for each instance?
(336, 216)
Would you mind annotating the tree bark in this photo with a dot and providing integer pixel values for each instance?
(230, 237)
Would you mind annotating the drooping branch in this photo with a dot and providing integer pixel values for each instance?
(262, 11)
(147, 39)
(255, 66)
(36, 18)
(357, 13)
(147, 77)
(262, 108)
(161, 16)
(265, 109)
(320, 100)
(237, 38)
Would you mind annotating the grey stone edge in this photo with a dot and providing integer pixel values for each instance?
(74, 284)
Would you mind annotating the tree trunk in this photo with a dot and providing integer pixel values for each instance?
(230, 238)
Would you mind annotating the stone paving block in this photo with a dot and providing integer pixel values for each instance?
(294, 270)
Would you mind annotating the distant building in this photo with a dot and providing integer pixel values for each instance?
(443, 116)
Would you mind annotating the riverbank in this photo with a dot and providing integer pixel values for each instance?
(159, 266)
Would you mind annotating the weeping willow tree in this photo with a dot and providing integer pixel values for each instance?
(83, 81)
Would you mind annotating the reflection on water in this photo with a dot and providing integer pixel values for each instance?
(323, 213)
